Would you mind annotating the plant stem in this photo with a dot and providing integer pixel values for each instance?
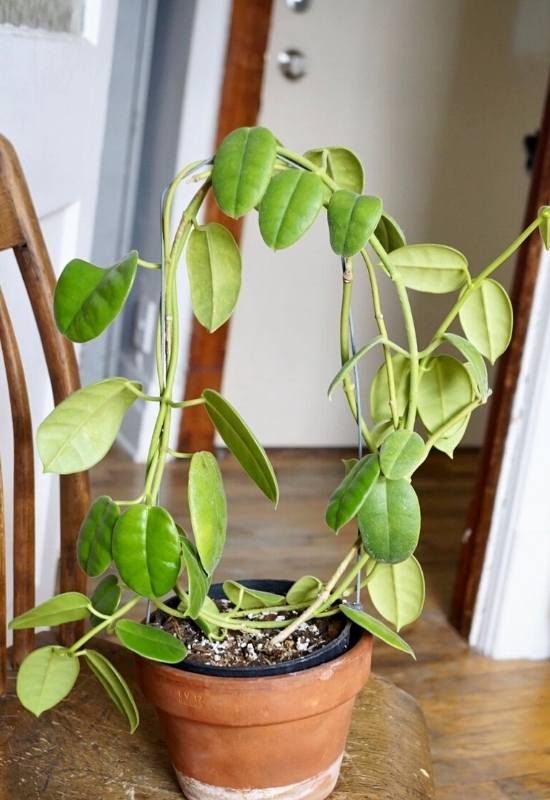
(105, 624)
(148, 264)
(447, 426)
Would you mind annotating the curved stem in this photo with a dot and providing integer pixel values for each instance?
(105, 624)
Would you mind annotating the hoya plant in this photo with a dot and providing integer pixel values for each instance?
(422, 397)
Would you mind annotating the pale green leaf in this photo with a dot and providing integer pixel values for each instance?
(245, 597)
(475, 360)
(389, 234)
(377, 628)
(487, 319)
(401, 453)
(445, 389)
(66, 607)
(197, 579)
(304, 590)
(115, 686)
(153, 643)
(341, 164)
(208, 508)
(45, 677)
(379, 392)
(397, 591)
(350, 363)
(432, 268)
(544, 226)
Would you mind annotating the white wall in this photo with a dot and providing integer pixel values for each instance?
(436, 99)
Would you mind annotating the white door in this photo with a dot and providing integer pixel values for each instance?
(55, 63)
(436, 98)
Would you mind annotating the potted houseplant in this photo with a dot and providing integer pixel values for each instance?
(254, 683)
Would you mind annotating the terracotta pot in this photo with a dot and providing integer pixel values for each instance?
(279, 737)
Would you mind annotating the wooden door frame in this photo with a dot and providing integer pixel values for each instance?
(481, 510)
(240, 101)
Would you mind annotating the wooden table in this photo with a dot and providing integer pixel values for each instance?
(81, 750)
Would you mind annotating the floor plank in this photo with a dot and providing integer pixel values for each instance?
(489, 721)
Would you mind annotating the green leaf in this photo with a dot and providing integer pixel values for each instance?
(88, 298)
(82, 429)
(115, 686)
(433, 268)
(389, 234)
(304, 590)
(93, 549)
(66, 607)
(352, 219)
(350, 363)
(208, 508)
(475, 360)
(244, 597)
(197, 579)
(380, 432)
(487, 319)
(289, 207)
(377, 628)
(445, 388)
(397, 591)
(544, 226)
(401, 453)
(210, 607)
(389, 521)
(153, 643)
(349, 463)
(350, 495)
(214, 270)
(341, 164)
(379, 393)
(242, 169)
(447, 444)
(146, 549)
(242, 443)
(105, 598)
(45, 677)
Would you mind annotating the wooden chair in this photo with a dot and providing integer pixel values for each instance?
(80, 750)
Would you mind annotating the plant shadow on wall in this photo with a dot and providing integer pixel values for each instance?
(419, 399)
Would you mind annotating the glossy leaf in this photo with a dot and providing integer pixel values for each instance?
(197, 579)
(487, 319)
(243, 444)
(149, 642)
(45, 677)
(244, 597)
(341, 164)
(289, 207)
(94, 546)
(389, 521)
(389, 234)
(352, 219)
(445, 388)
(115, 686)
(377, 628)
(82, 429)
(544, 227)
(401, 453)
(146, 550)
(66, 607)
(379, 393)
(242, 169)
(351, 362)
(397, 591)
(478, 368)
(208, 508)
(350, 495)
(433, 268)
(105, 598)
(88, 298)
(304, 590)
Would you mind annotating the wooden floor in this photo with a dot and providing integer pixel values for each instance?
(489, 721)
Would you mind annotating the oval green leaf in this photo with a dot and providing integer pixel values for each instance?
(377, 628)
(243, 597)
(115, 686)
(146, 550)
(389, 234)
(197, 579)
(487, 319)
(243, 444)
(208, 508)
(45, 677)
(214, 270)
(397, 591)
(433, 268)
(242, 169)
(478, 368)
(289, 207)
(352, 219)
(88, 298)
(445, 388)
(347, 499)
(379, 393)
(105, 598)
(401, 453)
(350, 363)
(82, 429)
(447, 444)
(341, 164)
(66, 607)
(389, 521)
(304, 590)
(93, 549)
(152, 643)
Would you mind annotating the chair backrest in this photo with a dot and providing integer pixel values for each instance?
(20, 232)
